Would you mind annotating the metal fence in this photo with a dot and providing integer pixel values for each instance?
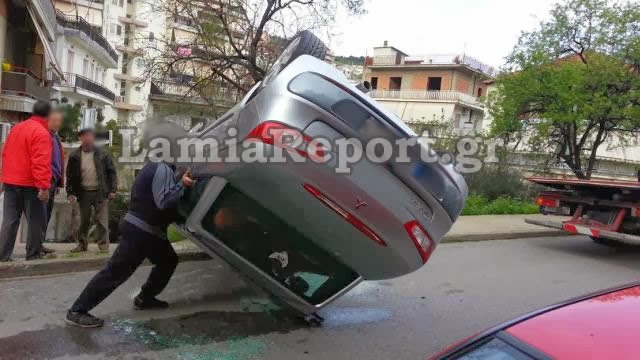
(82, 82)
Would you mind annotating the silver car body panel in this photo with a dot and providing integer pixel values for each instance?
(393, 196)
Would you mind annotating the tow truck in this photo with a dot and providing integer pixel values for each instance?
(608, 211)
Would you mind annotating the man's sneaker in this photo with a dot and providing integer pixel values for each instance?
(35, 257)
(84, 320)
(46, 250)
(147, 304)
(6, 259)
(78, 249)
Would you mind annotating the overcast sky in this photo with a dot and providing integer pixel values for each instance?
(489, 28)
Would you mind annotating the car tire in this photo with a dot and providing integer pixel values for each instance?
(309, 45)
(304, 43)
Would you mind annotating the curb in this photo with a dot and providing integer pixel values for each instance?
(503, 236)
(71, 265)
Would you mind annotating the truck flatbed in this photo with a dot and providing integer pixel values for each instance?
(576, 184)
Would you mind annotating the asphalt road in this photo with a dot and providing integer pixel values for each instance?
(466, 287)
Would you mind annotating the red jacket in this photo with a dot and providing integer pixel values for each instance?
(26, 155)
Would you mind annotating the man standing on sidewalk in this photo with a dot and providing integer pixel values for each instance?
(26, 176)
(92, 182)
(57, 167)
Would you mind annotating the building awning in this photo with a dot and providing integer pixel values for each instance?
(50, 54)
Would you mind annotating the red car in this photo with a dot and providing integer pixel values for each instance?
(603, 325)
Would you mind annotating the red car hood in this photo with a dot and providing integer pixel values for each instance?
(604, 327)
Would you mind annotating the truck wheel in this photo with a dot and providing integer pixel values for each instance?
(608, 242)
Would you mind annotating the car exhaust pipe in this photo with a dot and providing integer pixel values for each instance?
(364, 86)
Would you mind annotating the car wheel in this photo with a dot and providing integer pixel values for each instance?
(304, 43)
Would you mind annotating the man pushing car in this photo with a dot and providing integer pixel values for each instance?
(155, 195)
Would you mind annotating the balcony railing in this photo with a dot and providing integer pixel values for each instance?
(75, 80)
(190, 92)
(94, 33)
(425, 95)
(438, 59)
(24, 82)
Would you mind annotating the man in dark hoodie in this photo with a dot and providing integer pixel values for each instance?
(155, 195)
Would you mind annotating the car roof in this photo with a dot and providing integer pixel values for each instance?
(606, 326)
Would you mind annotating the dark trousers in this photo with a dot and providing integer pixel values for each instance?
(19, 199)
(50, 204)
(135, 245)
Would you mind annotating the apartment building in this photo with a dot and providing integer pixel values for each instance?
(27, 50)
(429, 88)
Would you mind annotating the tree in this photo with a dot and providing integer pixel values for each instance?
(226, 44)
(71, 121)
(573, 84)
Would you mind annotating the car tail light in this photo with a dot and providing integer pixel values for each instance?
(548, 201)
(421, 239)
(344, 214)
(281, 135)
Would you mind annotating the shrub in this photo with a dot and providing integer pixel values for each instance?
(493, 182)
(480, 205)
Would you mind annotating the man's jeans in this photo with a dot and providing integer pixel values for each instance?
(19, 199)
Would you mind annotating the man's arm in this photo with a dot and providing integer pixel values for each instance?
(112, 176)
(166, 189)
(41, 149)
(70, 177)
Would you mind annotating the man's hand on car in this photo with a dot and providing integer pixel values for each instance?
(72, 199)
(187, 179)
(43, 195)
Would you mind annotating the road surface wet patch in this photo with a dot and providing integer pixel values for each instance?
(203, 335)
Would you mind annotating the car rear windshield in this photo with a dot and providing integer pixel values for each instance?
(275, 247)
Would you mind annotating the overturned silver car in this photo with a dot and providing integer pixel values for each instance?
(308, 231)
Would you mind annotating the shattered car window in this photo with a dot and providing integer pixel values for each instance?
(278, 249)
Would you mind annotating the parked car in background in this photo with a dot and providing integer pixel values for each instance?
(602, 325)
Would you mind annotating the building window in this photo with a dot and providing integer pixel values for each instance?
(151, 36)
(121, 4)
(70, 58)
(123, 86)
(395, 83)
(85, 67)
(91, 72)
(374, 83)
(479, 92)
(434, 84)
(115, 29)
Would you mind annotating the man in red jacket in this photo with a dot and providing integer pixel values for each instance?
(26, 177)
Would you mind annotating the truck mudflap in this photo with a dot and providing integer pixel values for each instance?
(580, 229)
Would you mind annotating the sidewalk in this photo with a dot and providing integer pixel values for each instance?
(499, 227)
(63, 261)
(467, 228)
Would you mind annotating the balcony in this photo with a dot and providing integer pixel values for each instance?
(130, 50)
(87, 87)
(126, 77)
(428, 95)
(86, 32)
(132, 21)
(167, 90)
(122, 103)
(24, 82)
(432, 60)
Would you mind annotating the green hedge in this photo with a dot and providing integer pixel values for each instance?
(480, 205)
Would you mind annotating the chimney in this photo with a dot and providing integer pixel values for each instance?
(386, 43)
